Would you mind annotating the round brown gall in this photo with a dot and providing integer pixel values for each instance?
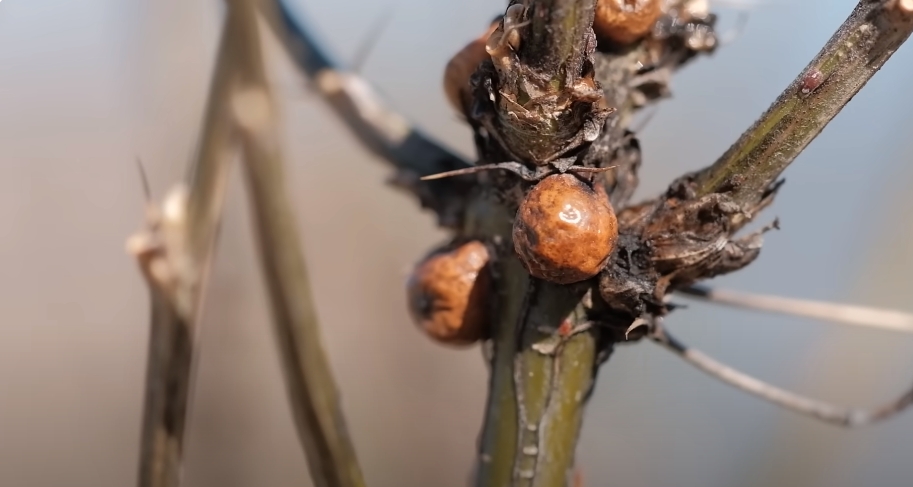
(625, 21)
(448, 294)
(461, 67)
(564, 231)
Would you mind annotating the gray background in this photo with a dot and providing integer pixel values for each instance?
(87, 86)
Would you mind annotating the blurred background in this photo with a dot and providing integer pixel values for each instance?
(87, 87)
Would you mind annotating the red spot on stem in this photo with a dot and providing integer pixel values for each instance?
(811, 81)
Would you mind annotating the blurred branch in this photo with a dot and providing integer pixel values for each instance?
(174, 253)
(884, 319)
(312, 390)
(859, 48)
(383, 131)
(823, 411)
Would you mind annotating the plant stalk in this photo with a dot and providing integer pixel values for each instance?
(859, 48)
(311, 388)
(176, 305)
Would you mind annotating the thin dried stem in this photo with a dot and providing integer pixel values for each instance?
(382, 130)
(174, 253)
(864, 42)
(823, 411)
(311, 387)
(884, 319)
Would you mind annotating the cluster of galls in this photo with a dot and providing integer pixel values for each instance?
(564, 232)
(565, 229)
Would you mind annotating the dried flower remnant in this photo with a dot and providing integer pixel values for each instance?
(565, 230)
(448, 294)
(626, 21)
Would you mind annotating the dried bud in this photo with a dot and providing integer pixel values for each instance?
(461, 67)
(564, 231)
(625, 21)
(448, 294)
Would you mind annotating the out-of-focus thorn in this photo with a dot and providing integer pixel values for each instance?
(370, 40)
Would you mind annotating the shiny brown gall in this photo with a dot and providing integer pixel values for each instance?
(448, 294)
(625, 21)
(564, 231)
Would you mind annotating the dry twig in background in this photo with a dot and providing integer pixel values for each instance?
(383, 131)
(311, 388)
(174, 252)
(830, 413)
(884, 319)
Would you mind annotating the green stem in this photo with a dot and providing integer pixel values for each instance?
(865, 41)
(541, 373)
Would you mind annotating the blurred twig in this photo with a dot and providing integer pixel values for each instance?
(174, 253)
(859, 48)
(884, 319)
(382, 130)
(830, 413)
(312, 390)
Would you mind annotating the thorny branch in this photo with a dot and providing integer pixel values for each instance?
(174, 252)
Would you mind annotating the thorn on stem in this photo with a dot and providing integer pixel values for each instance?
(144, 180)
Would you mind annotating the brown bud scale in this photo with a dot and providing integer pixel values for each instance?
(564, 231)
(449, 294)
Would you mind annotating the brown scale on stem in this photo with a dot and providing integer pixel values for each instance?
(449, 292)
(565, 230)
